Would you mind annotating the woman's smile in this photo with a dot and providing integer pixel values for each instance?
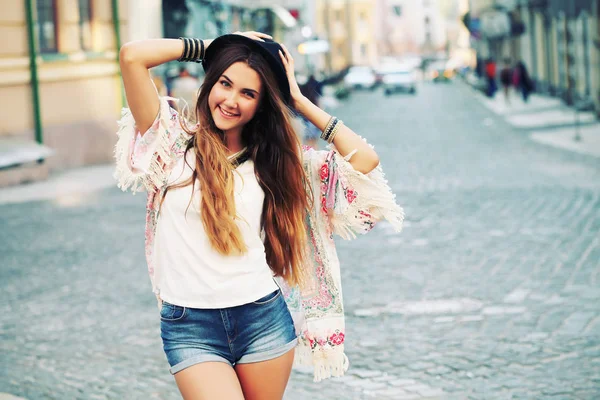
(226, 114)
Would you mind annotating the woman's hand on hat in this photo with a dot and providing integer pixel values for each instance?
(288, 63)
(254, 35)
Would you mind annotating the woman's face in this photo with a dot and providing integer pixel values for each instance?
(234, 99)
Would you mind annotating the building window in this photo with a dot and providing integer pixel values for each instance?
(46, 26)
(363, 50)
(427, 20)
(85, 24)
(338, 15)
(397, 11)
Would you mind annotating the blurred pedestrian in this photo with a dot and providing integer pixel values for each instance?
(490, 74)
(240, 218)
(506, 79)
(161, 88)
(312, 91)
(522, 81)
(185, 87)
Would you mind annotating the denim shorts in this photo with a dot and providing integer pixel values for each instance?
(253, 332)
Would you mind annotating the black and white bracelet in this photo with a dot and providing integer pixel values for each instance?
(193, 50)
(331, 129)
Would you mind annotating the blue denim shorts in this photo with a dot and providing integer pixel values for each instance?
(253, 332)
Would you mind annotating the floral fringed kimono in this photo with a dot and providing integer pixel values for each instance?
(346, 202)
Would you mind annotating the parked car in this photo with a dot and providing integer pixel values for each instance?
(360, 77)
(400, 80)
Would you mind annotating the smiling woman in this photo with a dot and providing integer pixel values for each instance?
(240, 216)
(234, 101)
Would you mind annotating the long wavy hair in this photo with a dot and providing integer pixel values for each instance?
(275, 149)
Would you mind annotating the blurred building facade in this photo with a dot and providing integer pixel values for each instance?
(415, 27)
(559, 42)
(59, 79)
(282, 19)
(349, 27)
(60, 84)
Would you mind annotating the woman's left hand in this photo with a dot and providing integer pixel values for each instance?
(288, 63)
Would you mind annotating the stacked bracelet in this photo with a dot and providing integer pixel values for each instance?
(331, 129)
(334, 131)
(193, 50)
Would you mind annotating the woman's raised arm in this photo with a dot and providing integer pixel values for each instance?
(136, 58)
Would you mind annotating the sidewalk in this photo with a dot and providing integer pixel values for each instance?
(548, 121)
(8, 396)
(62, 185)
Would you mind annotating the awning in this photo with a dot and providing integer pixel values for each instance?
(284, 15)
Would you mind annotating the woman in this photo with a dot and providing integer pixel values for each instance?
(234, 201)
(524, 82)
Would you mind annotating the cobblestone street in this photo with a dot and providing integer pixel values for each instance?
(492, 291)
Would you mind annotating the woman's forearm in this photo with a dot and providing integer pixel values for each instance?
(345, 141)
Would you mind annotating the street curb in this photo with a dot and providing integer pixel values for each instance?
(554, 127)
(75, 181)
(8, 396)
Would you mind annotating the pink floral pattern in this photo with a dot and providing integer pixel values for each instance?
(331, 199)
(334, 339)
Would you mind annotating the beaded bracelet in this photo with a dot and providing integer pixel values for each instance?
(334, 131)
(327, 131)
(193, 50)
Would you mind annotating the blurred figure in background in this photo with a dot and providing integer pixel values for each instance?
(522, 81)
(490, 74)
(312, 91)
(185, 87)
(161, 88)
(506, 79)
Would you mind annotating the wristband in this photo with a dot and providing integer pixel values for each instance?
(193, 50)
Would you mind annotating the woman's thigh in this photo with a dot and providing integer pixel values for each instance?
(265, 380)
(208, 381)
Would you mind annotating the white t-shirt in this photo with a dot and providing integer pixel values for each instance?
(191, 273)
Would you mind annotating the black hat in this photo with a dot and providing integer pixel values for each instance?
(269, 49)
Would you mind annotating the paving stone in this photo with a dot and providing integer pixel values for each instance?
(431, 392)
(402, 382)
(415, 388)
(439, 370)
(364, 373)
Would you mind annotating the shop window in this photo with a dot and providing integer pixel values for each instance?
(85, 24)
(46, 26)
(397, 10)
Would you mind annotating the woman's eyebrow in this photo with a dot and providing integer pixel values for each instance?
(230, 81)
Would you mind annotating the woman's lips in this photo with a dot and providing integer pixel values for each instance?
(227, 115)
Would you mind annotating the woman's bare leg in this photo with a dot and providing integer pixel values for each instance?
(208, 381)
(266, 380)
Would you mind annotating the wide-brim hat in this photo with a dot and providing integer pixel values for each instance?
(269, 49)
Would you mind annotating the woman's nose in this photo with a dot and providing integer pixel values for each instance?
(231, 99)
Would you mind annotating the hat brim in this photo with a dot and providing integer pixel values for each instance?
(270, 54)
